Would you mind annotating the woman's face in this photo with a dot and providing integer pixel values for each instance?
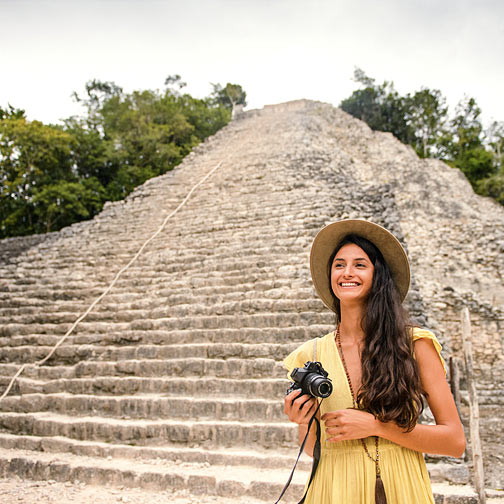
(351, 274)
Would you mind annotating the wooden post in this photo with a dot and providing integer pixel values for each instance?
(479, 477)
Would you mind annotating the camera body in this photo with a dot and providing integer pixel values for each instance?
(312, 380)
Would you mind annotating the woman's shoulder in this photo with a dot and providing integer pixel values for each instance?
(419, 333)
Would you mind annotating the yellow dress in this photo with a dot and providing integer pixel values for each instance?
(345, 474)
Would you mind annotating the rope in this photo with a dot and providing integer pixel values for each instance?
(107, 290)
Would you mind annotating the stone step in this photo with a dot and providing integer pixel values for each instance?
(236, 321)
(261, 388)
(228, 245)
(243, 286)
(9, 330)
(175, 305)
(152, 432)
(244, 222)
(264, 301)
(213, 255)
(137, 274)
(118, 313)
(265, 388)
(263, 298)
(251, 335)
(277, 458)
(190, 367)
(148, 406)
(272, 288)
(140, 279)
(198, 478)
(166, 264)
(221, 259)
(181, 295)
(151, 274)
(71, 354)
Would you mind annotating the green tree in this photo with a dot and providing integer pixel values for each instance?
(98, 92)
(62, 203)
(11, 113)
(40, 186)
(495, 138)
(230, 96)
(421, 120)
(90, 152)
(204, 115)
(380, 106)
(464, 147)
(492, 186)
(427, 115)
(51, 176)
(31, 155)
(174, 83)
(145, 133)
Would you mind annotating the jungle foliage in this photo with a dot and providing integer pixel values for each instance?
(54, 175)
(422, 120)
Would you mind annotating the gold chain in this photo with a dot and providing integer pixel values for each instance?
(340, 348)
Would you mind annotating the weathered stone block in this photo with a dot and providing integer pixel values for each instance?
(204, 409)
(230, 489)
(460, 499)
(200, 433)
(202, 485)
(457, 474)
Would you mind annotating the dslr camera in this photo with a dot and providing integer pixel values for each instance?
(312, 380)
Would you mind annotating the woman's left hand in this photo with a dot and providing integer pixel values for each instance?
(343, 425)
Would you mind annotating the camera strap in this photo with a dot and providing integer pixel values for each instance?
(316, 456)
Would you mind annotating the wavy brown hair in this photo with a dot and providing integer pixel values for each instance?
(391, 388)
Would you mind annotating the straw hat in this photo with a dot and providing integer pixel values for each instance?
(329, 237)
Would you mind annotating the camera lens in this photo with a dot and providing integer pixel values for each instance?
(325, 389)
(320, 386)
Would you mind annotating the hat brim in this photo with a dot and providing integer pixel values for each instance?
(329, 237)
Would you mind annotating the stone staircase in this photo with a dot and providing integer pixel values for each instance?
(174, 380)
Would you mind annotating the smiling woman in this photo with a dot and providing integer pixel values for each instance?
(351, 273)
(382, 370)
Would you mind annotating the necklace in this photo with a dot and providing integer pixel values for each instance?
(375, 459)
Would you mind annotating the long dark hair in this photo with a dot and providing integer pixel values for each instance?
(391, 389)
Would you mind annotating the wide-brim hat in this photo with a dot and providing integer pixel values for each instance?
(328, 239)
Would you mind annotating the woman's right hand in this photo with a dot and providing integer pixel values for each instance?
(299, 407)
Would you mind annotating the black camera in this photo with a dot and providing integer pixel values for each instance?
(312, 380)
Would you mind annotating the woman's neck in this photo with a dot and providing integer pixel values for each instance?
(351, 324)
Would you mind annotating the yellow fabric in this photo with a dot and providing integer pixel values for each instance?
(345, 474)
(423, 333)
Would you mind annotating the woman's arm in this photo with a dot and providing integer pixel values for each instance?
(444, 438)
(300, 408)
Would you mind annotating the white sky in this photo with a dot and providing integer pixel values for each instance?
(278, 50)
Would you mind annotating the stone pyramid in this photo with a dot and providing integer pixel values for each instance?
(174, 379)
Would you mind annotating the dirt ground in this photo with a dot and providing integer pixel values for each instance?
(15, 491)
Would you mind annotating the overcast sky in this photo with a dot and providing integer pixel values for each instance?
(278, 50)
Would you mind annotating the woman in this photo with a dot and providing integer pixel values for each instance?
(381, 369)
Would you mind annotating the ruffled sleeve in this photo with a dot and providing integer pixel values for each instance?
(424, 333)
(298, 357)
